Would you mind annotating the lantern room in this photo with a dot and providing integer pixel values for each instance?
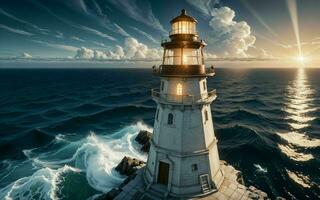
(183, 24)
(183, 53)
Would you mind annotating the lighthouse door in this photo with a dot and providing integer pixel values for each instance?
(163, 174)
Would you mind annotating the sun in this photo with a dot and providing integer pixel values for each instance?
(301, 59)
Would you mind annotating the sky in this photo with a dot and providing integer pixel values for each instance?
(130, 31)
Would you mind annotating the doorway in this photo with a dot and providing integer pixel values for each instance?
(163, 174)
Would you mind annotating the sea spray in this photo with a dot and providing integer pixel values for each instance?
(95, 156)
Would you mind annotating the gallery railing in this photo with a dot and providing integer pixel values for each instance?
(184, 99)
(183, 70)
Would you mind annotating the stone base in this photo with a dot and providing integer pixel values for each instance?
(232, 188)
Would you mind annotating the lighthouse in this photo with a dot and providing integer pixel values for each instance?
(183, 159)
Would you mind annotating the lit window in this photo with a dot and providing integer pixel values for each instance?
(206, 115)
(170, 118)
(179, 89)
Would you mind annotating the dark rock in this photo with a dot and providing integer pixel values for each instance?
(128, 165)
(110, 195)
(240, 178)
(144, 138)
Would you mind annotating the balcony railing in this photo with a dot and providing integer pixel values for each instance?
(184, 99)
(183, 70)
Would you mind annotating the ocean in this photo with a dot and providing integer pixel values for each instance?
(62, 131)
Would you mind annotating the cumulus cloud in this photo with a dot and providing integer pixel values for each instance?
(228, 37)
(259, 53)
(132, 50)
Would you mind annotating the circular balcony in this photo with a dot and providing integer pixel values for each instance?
(183, 99)
(183, 71)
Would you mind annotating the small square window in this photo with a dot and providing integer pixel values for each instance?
(194, 167)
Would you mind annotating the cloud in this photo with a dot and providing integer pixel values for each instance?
(146, 35)
(13, 30)
(121, 30)
(259, 53)
(131, 50)
(59, 35)
(93, 9)
(77, 39)
(99, 44)
(44, 31)
(141, 13)
(228, 37)
(57, 46)
(96, 32)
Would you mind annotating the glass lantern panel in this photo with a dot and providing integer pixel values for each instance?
(183, 27)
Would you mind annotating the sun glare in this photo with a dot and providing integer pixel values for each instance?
(301, 59)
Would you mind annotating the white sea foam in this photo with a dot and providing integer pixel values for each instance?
(95, 155)
(41, 185)
(260, 169)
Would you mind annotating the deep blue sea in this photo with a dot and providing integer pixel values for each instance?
(62, 131)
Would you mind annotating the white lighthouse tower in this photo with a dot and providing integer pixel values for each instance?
(183, 159)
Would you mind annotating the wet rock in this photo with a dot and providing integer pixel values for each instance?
(240, 178)
(144, 138)
(128, 165)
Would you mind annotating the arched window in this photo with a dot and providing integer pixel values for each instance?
(157, 114)
(206, 117)
(170, 118)
(179, 89)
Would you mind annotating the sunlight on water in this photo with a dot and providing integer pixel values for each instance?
(301, 97)
(299, 179)
(299, 108)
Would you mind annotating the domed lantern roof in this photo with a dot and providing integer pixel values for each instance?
(183, 17)
(183, 24)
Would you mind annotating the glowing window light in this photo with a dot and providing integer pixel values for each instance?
(184, 59)
(179, 89)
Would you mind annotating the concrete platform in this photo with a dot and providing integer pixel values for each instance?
(230, 189)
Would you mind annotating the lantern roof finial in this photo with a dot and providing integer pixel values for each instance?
(183, 17)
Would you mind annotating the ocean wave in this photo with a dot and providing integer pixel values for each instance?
(300, 139)
(88, 107)
(96, 155)
(75, 123)
(243, 134)
(43, 184)
(300, 179)
(293, 154)
(28, 139)
(54, 113)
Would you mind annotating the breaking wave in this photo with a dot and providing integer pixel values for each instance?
(95, 156)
